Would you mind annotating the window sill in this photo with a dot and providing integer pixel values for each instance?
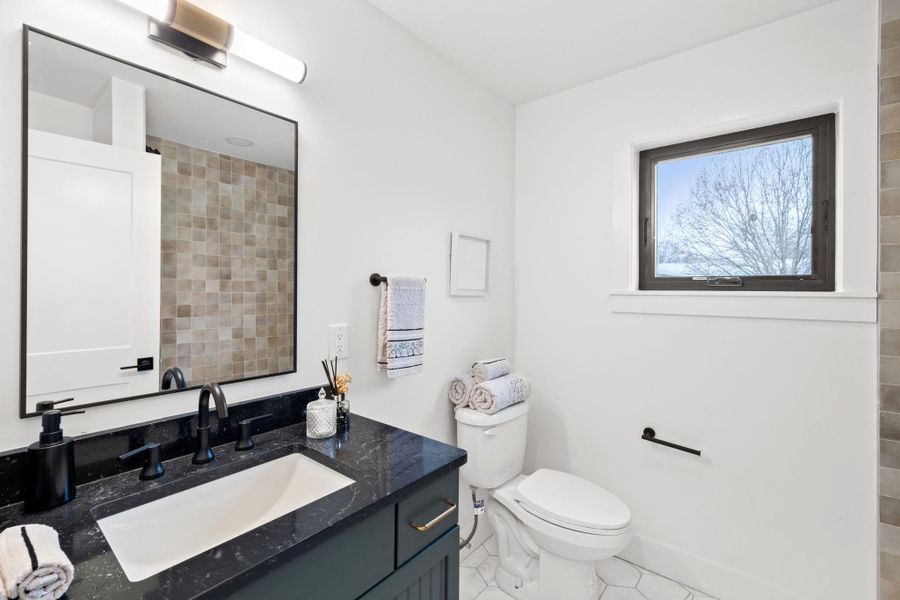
(853, 307)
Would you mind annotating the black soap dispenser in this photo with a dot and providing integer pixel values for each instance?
(50, 469)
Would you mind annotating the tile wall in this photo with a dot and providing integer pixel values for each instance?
(228, 253)
(889, 301)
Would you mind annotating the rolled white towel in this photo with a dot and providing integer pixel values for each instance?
(491, 368)
(32, 565)
(460, 390)
(496, 394)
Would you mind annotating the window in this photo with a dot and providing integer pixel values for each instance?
(751, 210)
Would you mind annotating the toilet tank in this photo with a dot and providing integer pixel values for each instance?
(495, 443)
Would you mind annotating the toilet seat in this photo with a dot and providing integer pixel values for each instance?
(571, 502)
(572, 542)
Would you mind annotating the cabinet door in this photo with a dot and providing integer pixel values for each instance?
(433, 574)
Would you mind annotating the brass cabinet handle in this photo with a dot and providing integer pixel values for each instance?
(437, 519)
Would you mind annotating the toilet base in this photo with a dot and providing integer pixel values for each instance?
(564, 578)
(559, 578)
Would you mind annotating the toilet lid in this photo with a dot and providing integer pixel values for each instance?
(571, 501)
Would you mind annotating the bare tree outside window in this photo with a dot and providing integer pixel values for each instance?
(750, 210)
(745, 212)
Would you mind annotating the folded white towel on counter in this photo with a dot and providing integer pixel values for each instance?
(401, 326)
(491, 368)
(496, 394)
(460, 390)
(32, 565)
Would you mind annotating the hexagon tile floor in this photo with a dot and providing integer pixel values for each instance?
(619, 580)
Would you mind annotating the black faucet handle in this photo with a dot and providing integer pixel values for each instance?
(246, 440)
(153, 467)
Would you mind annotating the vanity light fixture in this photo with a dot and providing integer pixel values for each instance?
(204, 36)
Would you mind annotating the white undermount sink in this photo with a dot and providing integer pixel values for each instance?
(152, 537)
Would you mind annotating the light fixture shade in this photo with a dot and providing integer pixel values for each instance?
(200, 24)
(261, 54)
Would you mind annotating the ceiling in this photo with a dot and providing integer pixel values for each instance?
(175, 111)
(526, 49)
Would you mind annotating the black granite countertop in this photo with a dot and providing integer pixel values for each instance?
(386, 463)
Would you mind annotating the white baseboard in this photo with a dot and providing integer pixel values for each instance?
(714, 579)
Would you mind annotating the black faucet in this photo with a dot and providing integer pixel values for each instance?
(204, 453)
(174, 374)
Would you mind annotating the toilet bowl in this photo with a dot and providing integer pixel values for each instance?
(551, 526)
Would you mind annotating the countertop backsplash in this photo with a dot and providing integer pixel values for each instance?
(96, 454)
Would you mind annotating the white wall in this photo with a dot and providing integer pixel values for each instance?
(397, 149)
(783, 503)
(56, 115)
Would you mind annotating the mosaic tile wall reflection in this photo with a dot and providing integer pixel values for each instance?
(228, 242)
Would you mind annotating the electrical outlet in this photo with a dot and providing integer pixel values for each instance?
(338, 340)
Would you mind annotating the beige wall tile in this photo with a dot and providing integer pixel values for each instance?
(890, 230)
(890, 258)
(890, 370)
(888, 590)
(889, 396)
(890, 145)
(889, 90)
(890, 202)
(890, 342)
(889, 118)
(890, 34)
(890, 174)
(890, 454)
(890, 10)
(889, 286)
(889, 566)
(889, 510)
(890, 62)
(889, 485)
(890, 425)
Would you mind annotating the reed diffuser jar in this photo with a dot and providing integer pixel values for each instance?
(343, 411)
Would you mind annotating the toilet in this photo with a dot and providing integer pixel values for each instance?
(551, 526)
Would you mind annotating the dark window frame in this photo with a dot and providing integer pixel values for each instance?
(822, 130)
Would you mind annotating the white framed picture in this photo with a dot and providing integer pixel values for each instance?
(469, 262)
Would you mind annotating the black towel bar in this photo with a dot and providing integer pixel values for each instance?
(375, 279)
(650, 436)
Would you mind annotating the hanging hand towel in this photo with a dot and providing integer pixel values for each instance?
(401, 326)
(460, 390)
(496, 394)
(32, 565)
(491, 368)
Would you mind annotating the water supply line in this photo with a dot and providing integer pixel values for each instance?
(477, 510)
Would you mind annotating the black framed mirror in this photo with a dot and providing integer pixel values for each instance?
(159, 232)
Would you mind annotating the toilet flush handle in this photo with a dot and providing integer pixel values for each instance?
(490, 431)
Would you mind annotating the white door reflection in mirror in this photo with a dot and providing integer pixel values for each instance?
(93, 269)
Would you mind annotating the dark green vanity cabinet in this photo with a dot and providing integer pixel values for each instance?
(433, 574)
(382, 557)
